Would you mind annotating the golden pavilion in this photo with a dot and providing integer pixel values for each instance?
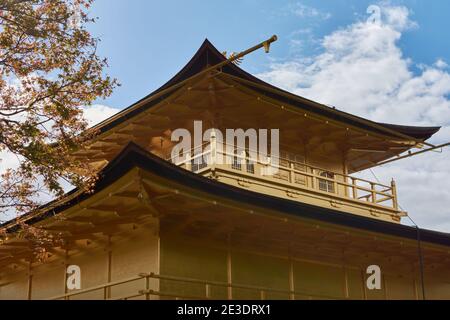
(155, 228)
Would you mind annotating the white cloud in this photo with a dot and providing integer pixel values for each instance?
(97, 113)
(441, 64)
(300, 39)
(361, 69)
(304, 11)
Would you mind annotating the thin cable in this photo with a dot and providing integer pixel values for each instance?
(419, 243)
(419, 252)
(376, 178)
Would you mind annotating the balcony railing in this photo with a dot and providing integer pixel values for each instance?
(181, 288)
(291, 175)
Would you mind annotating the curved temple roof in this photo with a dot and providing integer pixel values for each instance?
(207, 55)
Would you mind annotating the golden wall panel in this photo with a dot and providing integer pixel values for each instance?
(260, 271)
(48, 280)
(183, 258)
(400, 288)
(137, 254)
(17, 287)
(318, 280)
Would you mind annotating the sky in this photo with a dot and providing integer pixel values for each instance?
(147, 42)
(390, 68)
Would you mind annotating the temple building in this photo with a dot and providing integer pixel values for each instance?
(156, 228)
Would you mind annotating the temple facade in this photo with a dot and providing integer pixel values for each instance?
(164, 227)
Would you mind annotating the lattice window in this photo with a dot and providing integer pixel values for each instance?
(326, 185)
(236, 163)
(198, 163)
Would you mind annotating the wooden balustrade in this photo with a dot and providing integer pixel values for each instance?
(147, 292)
(296, 175)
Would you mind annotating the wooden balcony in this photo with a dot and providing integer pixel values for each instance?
(151, 286)
(296, 181)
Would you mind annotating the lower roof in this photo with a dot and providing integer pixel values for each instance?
(133, 156)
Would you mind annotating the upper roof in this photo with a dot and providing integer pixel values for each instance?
(207, 56)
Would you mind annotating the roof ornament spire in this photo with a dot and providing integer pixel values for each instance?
(237, 61)
(236, 57)
(265, 44)
(268, 42)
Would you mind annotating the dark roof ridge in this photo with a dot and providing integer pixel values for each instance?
(208, 55)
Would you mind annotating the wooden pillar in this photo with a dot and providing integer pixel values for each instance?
(345, 171)
(394, 194)
(346, 285)
(188, 163)
(66, 264)
(109, 266)
(291, 279)
(354, 189)
(416, 289)
(305, 152)
(291, 172)
(213, 151)
(30, 280)
(373, 193)
(364, 286)
(229, 269)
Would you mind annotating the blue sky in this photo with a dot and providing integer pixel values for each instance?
(147, 42)
(394, 70)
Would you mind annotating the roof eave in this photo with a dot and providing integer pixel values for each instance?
(207, 55)
(134, 156)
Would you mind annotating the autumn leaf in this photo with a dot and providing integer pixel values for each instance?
(49, 70)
